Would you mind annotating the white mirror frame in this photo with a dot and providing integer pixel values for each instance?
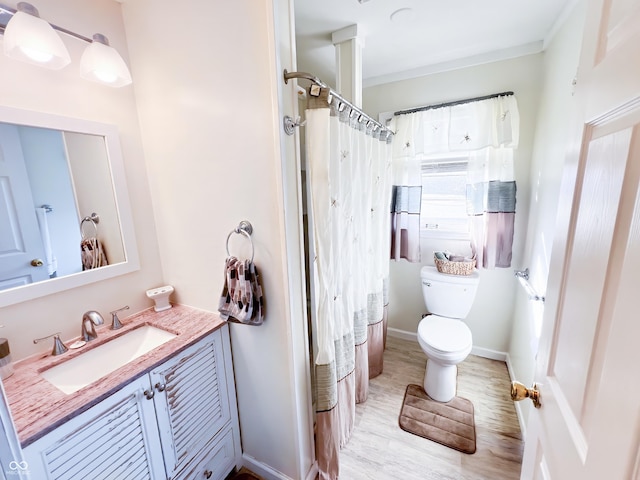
(119, 184)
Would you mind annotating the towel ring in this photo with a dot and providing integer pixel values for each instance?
(245, 229)
(94, 219)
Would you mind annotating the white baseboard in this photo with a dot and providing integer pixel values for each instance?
(268, 473)
(313, 473)
(262, 469)
(488, 353)
(479, 351)
(402, 334)
(521, 420)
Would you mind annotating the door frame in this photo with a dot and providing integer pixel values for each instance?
(292, 218)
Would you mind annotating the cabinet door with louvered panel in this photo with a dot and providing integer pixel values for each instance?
(115, 439)
(192, 403)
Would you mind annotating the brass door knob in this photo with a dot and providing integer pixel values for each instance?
(36, 262)
(520, 392)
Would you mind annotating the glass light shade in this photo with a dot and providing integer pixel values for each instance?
(30, 39)
(102, 63)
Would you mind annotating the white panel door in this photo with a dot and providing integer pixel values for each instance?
(20, 240)
(588, 426)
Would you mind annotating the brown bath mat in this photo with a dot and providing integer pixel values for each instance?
(450, 423)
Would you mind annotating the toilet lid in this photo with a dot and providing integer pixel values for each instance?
(444, 334)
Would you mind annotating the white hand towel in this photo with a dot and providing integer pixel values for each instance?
(51, 261)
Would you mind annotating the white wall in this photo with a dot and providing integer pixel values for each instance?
(491, 316)
(207, 99)
(206, 90)
(64, 93)
(560, 64)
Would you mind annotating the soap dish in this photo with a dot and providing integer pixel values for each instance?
(77, 344)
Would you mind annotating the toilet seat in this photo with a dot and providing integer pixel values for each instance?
(442, 335)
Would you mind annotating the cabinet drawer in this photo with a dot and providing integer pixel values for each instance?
(214, 462)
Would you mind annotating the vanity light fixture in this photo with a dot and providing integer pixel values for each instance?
(102, 63)
(29, 38)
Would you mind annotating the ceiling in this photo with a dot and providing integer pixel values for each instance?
(408, 38)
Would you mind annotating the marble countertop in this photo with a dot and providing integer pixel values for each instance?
(38, 407)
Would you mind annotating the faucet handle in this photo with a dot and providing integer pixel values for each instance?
(115, 321)
(58, 346)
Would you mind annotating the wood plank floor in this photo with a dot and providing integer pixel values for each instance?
(380, 450)
(243, 474)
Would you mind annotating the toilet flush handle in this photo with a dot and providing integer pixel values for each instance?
(428, 284)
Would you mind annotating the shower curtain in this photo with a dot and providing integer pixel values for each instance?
(349, 167)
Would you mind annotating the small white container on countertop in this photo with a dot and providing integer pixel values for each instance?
(160, 296)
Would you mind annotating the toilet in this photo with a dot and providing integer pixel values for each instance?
(444, 337)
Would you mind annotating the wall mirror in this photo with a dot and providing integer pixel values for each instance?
(65, 218)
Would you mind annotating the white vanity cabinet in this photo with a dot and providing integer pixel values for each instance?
(179, 422)
(191, 394)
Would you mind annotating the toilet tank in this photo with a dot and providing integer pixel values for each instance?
(448, 295)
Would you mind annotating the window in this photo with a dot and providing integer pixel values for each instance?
(443, 210)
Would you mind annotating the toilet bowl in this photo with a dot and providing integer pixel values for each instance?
(445, 339)
(446, 342)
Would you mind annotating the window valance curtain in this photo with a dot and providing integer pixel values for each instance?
(406, 196)
(489, 131)
(471, 126)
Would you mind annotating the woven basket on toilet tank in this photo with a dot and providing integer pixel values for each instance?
(464, 266)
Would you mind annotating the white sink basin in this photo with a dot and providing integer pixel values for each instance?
(80, 371)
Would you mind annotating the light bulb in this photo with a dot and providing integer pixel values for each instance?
(105, 76)
(37, 55)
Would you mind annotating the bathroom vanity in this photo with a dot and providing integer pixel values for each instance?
(169, 414)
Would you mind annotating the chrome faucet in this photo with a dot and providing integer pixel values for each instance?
(89, 319)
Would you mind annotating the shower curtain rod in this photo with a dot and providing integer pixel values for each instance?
(307, 76)
(451, 104)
